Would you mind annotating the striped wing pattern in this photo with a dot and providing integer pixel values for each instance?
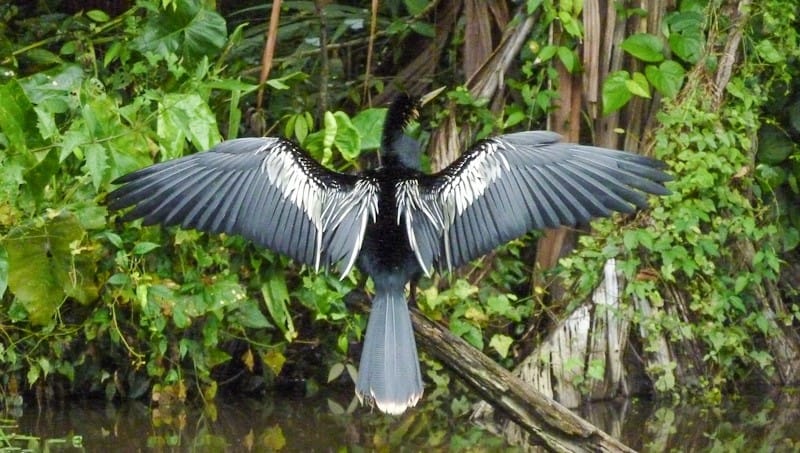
(508, 185)
(266, 189)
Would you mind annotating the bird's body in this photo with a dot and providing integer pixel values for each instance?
(394, 223)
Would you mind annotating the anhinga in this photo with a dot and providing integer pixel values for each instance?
(395, 222)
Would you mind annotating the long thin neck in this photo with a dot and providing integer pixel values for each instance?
(398, 149)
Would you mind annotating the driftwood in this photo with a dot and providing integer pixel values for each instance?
(557, 427)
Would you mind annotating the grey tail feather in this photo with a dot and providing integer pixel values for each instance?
(389, 375)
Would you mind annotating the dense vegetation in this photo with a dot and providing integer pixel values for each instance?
(92, 306)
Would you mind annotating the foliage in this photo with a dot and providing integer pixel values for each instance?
(703, 256)
(96, 306)
(683, 39)
(92, 305)
(117, 310)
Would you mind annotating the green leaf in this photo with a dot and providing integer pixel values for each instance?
(328, 137)
(570, 24)
(767, 51)
(185, 116)
(547, 52)
(638, 85)
(533, 5)
(687, 21)
(369, 124)
(501, 344)
(187, 30)
(741, 283)
(179, 316)
(32, 375)
(774, 145)
(424, 29)
(615, 91)
(17, 117)
(348, 140)
(689, 48)
(43, 268)
(645, 47)
(568, 57)
(231, 85)
(596, 370)
(667, 78)
(274, 360)
(276, 298)
(96, 163)
(98, 15)
(336, 370)
(501, 305)
(43, 57)
(469, 332)
(46, 123)
(415, 7)
(39, 175)
(143, 248)
(300, 127)
(250, 316)
(515, 117)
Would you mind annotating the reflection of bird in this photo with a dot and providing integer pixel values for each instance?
(394, 222)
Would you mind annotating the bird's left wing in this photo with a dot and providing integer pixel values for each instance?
(506, 186)
(266, 189)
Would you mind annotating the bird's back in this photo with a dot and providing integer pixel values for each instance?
(386, 252)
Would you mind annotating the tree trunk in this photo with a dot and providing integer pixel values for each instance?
(548, 422)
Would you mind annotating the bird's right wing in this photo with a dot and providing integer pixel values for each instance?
(506, 186)
(266, 189)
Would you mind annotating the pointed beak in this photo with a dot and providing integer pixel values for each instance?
(425, 98)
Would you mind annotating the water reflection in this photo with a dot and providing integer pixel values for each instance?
(746, 423)
(322, 423)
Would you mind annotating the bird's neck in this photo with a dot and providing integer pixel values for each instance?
(402, 152)
(397, 149)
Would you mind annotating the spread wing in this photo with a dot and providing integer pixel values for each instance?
(506, 186)
(266, 189)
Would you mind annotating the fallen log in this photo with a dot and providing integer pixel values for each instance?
(558, 428)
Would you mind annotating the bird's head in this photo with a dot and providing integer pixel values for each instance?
(397, 148)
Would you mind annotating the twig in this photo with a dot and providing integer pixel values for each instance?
(269, 50)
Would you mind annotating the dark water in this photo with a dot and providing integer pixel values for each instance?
(321, 423)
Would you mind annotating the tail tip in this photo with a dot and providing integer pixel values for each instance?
(389, 406)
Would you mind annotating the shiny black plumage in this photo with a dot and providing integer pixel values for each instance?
(394, 222)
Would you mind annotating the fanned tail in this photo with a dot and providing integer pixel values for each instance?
(389, 375)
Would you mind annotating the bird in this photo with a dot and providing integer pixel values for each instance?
(395, 223)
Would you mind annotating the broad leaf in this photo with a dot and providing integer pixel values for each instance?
(667, 78)
(249, 315)
(17, 117)
(369, 124)
(38, 176)
(96, 163)
(44, 267)
(188, 30)
(186, 117)
(348, 140)
(638, 85)
(645, 47)
(501, 344)
(774, 145)
(615, 91)
(568, 58)
(276, 298)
